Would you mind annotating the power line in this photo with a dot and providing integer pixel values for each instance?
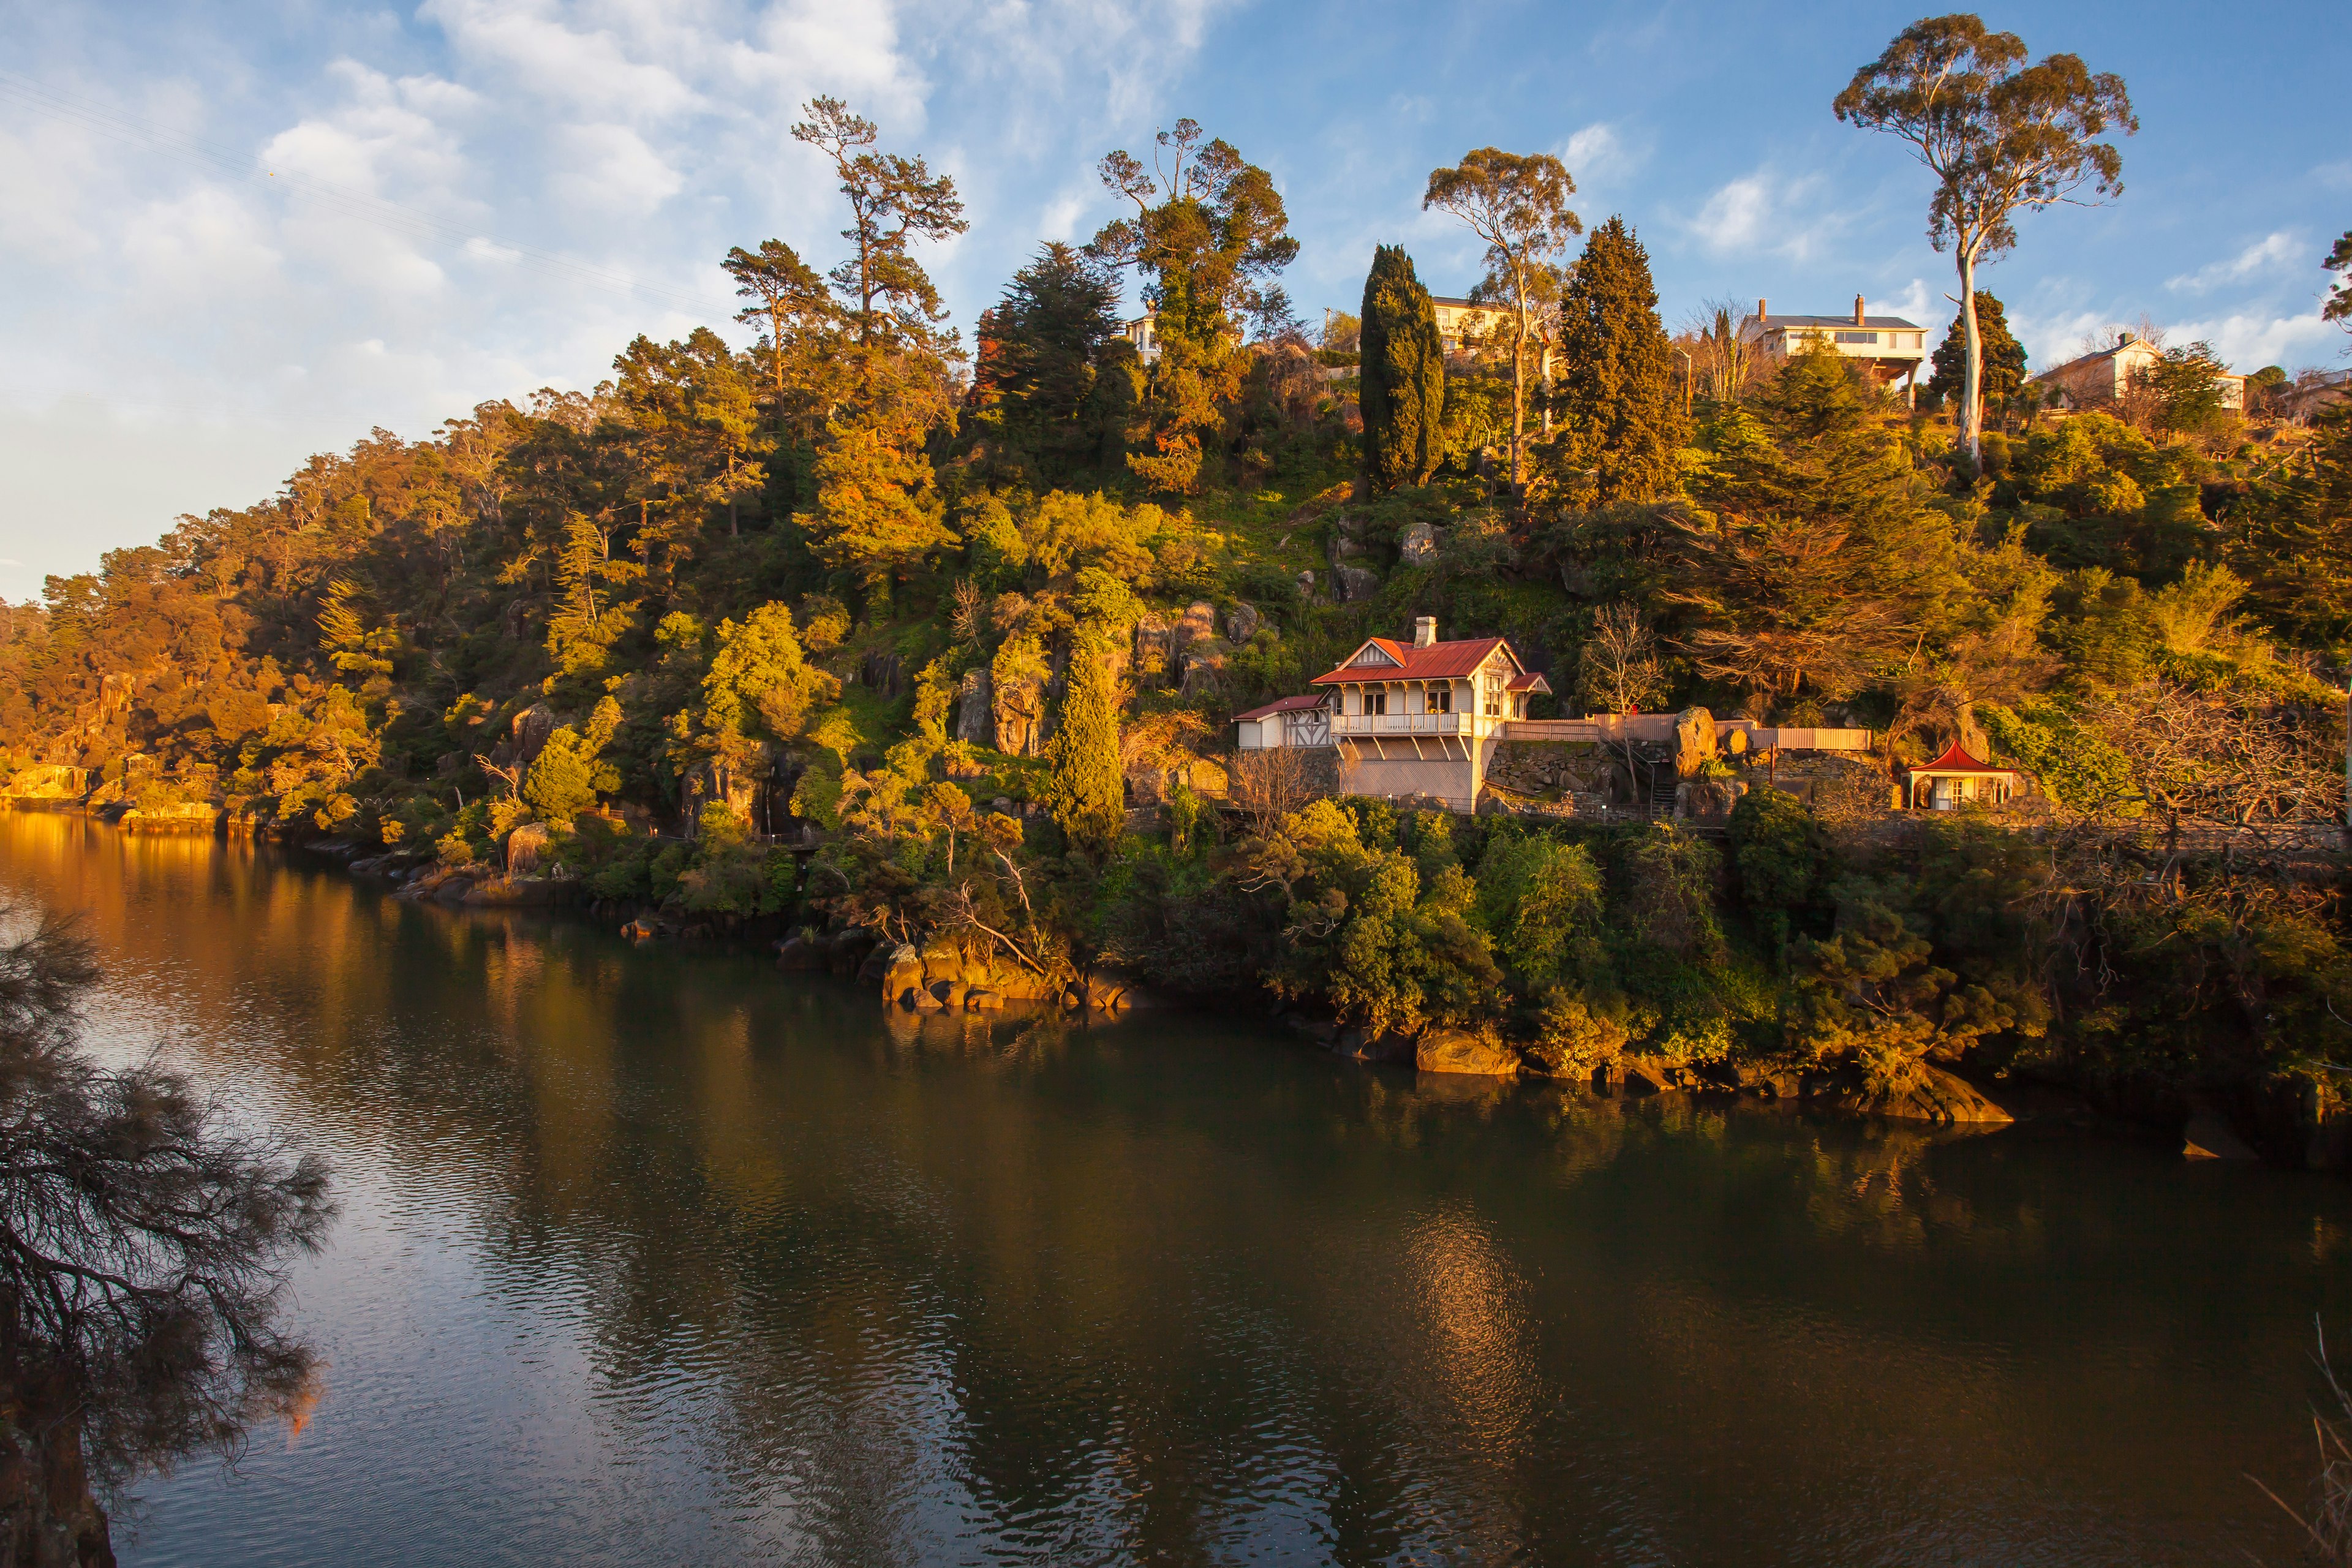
(393, 216)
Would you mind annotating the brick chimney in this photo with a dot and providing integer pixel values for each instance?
(1760, 312)
(1857, 309)
(1424, 630)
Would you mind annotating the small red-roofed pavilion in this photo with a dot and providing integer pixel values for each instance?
(1956, 779)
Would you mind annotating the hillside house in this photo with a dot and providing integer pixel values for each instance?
(1888, 347)
(1459, 319)
(1139, 332)
(1426, 719)
(2096, 380)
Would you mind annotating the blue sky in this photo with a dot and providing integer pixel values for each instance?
(235, 233)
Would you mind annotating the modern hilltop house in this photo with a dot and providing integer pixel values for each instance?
(1889, 347)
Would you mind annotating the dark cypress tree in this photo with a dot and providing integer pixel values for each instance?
(2004, 358)
(1041, 350)
(1403, 395)
(1616, 401)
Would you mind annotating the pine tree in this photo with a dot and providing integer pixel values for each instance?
(1039, 347)
(1403, 395)
(1083, 792)
(2004, 358)
(1619, 411)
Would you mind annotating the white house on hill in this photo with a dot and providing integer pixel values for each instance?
(1890, 347)
(2095, 380)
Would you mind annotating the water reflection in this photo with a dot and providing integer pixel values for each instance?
(655, 1255)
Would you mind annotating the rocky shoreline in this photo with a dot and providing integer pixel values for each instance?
(940, 978)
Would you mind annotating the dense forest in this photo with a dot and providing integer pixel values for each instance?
(859, 629)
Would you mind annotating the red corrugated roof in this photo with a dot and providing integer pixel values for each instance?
(1287, 705)
(1438, 661)
(1956, 761)
(1530, 682)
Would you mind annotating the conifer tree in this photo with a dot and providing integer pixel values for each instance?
(2003, 369)
(1084, 791)
(1404, 396)
(1620, 412)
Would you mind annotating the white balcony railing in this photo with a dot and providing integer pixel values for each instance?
(1404, 724)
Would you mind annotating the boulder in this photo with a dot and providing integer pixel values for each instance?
(1694, 741)
(1419, 545)
(1464, 1051)
(530, 730)
(976, 709)
(452, 889)
(903, 974)
(527, 848)
(1934, 1095)
(1198, 624)
(1105, 990)
(1205, 666)
(982, 1000)
(511, 892)
(801, 952)
(1019, 716)
(1648, 1075)
(1355, 584)
(639, 930)
(2209, 1136)
(1242, 622)
(1306, 584)
(1364, 1046)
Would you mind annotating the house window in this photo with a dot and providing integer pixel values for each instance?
(1494, 703)
(1376, 702)
(1440, 697)
(1857, 337)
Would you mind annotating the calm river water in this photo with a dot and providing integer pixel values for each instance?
(660, 1256)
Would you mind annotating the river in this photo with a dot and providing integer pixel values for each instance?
(657, 1256)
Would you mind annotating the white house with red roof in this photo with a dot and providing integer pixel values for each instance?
(1417, 718)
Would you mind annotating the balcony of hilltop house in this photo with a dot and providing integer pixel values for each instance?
(1347, 724)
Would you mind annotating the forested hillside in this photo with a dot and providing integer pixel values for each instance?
(947, 613)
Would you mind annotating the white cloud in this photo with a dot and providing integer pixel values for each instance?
(1060, 218)
(2247, 341)
(531, 44)
(205, 247)
(1765, 212)
(2271, 250)
(1914, 304)
(610, 168)
(1594, 153)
